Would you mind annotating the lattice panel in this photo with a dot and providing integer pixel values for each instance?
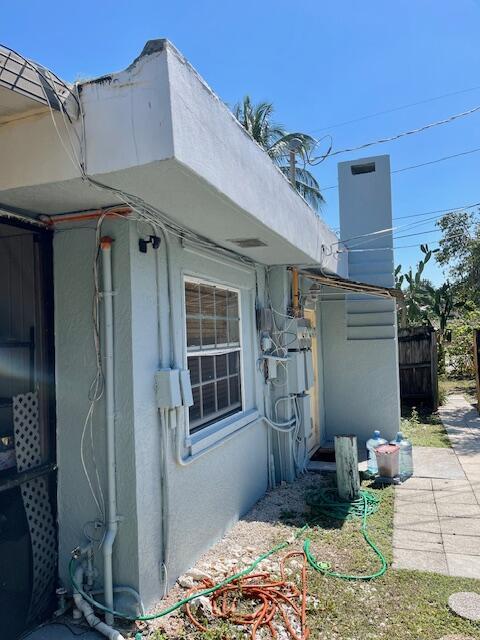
(27, 432)
(36, 501)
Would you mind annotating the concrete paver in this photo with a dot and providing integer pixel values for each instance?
(463, 565)
(419, 541)
(424, 509)
(420, 561)
(444, 484)
(416, 522)
(461, 526)
(455, 497)
(422, 484)
(465, 545)
(431, 462)
(457, 509)
(413, 495)
(437, 512)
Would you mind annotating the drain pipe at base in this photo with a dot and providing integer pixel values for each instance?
(112, 516)
(83, 606)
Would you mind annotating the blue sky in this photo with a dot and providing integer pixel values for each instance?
(320, 63)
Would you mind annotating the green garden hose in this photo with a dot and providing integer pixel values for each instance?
(180, 603)
(323, 502)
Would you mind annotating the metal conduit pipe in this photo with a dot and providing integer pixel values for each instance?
(112, 516)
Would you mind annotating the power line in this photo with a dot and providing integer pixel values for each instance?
(419, 233)
(403, 246)
(422, 164)
(365, 238)
(440, 211)
(394, 109)
(397, 136)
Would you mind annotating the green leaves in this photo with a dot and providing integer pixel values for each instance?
(257, 120)
(425, 304)
(459, 253)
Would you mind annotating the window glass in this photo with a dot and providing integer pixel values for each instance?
(213, 352)
(208, 368)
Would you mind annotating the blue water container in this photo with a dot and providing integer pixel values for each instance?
(406, 456)
(375, 441)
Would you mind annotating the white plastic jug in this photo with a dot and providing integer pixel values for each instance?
(406, 456)
(375, 441)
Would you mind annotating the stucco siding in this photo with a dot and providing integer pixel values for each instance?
(75, 367)
(208, 495)
(202, 499)
(360, 380)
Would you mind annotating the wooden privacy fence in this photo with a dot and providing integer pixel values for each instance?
(418, 361)
(476, 359)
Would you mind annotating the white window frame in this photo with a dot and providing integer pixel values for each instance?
(237, 418)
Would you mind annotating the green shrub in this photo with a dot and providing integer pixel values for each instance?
(459, 352)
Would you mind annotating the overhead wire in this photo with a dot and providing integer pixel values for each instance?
(373, 235)
(419, 165)
(407, 246)
(403, 134)
(394, 109)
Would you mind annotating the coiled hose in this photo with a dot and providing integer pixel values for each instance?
(326, 502)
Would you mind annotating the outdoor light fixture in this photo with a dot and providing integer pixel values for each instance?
(143, 244)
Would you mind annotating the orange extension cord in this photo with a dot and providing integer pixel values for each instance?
(276, 601)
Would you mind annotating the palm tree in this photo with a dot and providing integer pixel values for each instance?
(257, 120)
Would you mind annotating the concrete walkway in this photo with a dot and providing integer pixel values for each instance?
(437, 512)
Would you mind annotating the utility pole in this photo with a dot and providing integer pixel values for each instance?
(294, 146)
(293, 168)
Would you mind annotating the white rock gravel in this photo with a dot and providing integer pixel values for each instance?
(257, 532)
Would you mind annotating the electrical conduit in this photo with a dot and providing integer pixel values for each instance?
(112, 516)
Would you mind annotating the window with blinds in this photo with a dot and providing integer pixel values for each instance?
(213, 352)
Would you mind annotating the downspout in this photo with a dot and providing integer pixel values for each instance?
(112, 516)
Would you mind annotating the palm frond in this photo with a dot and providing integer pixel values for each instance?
(257, 120)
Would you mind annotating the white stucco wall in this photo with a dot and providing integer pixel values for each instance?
(360, 389)
(359, 333)
(75, 366)
(225, 156)
(204, 498)
(32, 153)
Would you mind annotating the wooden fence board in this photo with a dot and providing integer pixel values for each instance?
(418, 362)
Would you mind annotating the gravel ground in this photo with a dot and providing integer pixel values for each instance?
(267, 524)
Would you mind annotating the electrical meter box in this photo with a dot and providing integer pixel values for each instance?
(303, 332)
(308, 369)
(167, 388)
(296, 372)
(306, 413)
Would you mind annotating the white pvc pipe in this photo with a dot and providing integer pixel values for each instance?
(88, 612)
(120, 588)
(112, 517)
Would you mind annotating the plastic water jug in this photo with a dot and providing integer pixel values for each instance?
(406, 457)
(375, 441)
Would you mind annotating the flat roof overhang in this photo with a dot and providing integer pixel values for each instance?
(352, 286)
(157, 132)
